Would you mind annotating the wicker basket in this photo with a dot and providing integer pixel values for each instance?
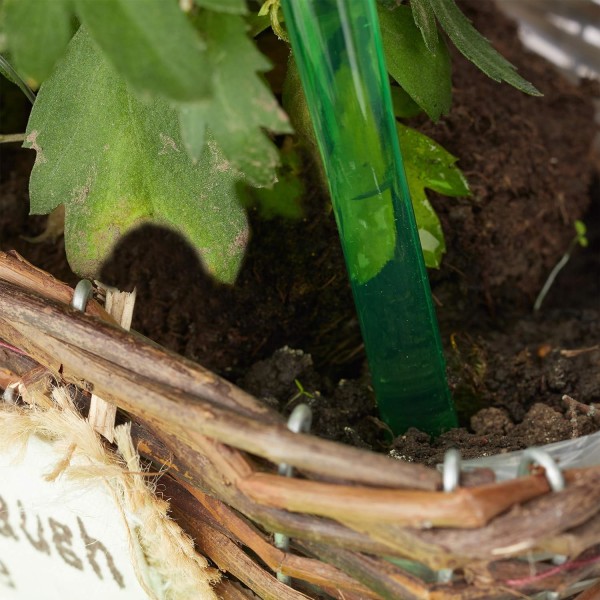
(361, 525)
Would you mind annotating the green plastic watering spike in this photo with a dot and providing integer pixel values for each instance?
(337, 47)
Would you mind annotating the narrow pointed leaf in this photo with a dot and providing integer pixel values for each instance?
(117, 162)
(425, 21)
(423, 74)
(152, 45)
(475, 47)
(37, 33)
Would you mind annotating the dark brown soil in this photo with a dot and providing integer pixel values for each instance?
(528, 166)
(528, 163)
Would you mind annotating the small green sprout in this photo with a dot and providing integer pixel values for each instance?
(300, 393)
(581, 231)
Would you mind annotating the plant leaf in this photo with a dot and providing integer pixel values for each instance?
(257, 24)
(243, 105)
(117, 162)
(284, 198)
(366, 212)
(403, 105)
(38, 34)
(192, 120)
(423, 74)
(581, 231)
(425, 21)
(236, 7)
(428, 165)
(152, 45)
(475, 47)
(369, 216)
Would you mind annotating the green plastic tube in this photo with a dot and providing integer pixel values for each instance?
(337, 47)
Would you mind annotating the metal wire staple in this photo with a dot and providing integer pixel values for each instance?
(555, 479)
(451, 470)
(450, 481)
(300, 420)
(81, 295)
(538, 456)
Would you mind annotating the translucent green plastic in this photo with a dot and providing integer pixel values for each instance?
(337, 47)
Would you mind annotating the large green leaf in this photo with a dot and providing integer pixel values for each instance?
(38, 32)
(243, 105)
(428, 165)
(423, 74)
(152, 45)
(473, 45)
(116, 162)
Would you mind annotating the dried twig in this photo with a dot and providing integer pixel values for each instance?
(182, 397)
(200, 425)
(579, 351)
(7, 138)
(119, 305)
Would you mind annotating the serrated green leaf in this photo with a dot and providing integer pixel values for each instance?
(243, 105)
(425, 21)
(370, 234)
(38, 33)
(235, 7)
(428, 165)
(475, 47)
(117, 162)
(423, 74)
(152, 45)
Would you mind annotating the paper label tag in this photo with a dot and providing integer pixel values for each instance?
(60, 540)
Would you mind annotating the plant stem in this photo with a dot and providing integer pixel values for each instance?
(8, 138)
(13, 76)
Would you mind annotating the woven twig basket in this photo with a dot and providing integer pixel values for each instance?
(361, 525)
